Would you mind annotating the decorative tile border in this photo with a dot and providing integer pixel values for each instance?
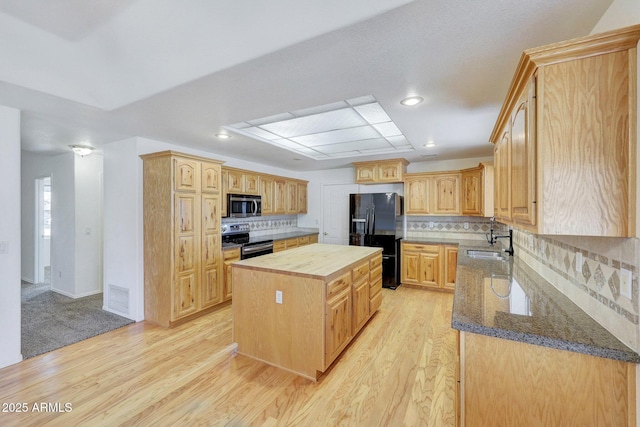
(267, 224)
(599, 278)
(460, 227)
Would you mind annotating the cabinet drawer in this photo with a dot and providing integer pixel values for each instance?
(376, 274)
(420, 247)
(338, 285)
(303, 240)
(279, 245)
(231, 254)
(375, 302)
(360, 271)
(375, 261)
(292, 243)
(375, 287)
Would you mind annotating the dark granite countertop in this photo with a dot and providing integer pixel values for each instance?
(283, 236)
(510, 300)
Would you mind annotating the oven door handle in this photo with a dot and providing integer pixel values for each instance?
(257, 248)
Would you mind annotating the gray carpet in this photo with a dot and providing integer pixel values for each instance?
(51, 320)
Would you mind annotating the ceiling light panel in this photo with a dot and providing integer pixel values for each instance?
(354, 127)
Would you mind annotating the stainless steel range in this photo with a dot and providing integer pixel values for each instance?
(238, 234)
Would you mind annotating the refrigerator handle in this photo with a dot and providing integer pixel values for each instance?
(373, 219)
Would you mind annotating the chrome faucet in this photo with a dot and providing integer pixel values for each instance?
(492, 238)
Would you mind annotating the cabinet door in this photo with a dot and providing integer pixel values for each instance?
(338, 323)
(224, 180)
(502, 160)
(430, 270)
(366, 173)
(360, 304)
(302, 197)
(211, 252)
(230, 256)
(186, 174)
(472, 192)
(410, 267)
(390, 172)
(186, 255)
(450, 263)
(235, 182)
(416, 196)
(266, 192)
(292, 197)
(446, 194)
(251, 184)
(279, 196)
(211, 179)
(523, 162)
(184, 297)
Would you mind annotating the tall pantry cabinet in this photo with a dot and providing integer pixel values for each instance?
(182, 243)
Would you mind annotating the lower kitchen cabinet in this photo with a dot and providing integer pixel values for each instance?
(281, 245)
(429, 266)
(509, 383)
(229, 256)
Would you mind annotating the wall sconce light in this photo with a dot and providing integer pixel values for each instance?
(81, 150)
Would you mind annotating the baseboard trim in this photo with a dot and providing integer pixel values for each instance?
(75, 296)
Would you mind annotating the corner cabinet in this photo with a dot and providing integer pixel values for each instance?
(381, 171)
(182, 248)
(565, 139)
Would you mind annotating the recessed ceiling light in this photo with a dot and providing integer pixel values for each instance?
(412, 100)
(223, 135)
(353, 127)
(430, 144)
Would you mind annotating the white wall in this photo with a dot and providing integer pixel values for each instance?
(10, 236)
(621, 13)
(88, 224)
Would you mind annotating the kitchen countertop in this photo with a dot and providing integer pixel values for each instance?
(509, 300)
(319, 261)
(282, 236)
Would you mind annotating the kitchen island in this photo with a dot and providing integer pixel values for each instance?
(299, 309)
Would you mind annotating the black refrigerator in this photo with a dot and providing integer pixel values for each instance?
(376, 220)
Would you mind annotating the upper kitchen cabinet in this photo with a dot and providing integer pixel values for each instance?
(279, 195)
(477, 190)
(381, 171)
(432, 193)
(565, 139)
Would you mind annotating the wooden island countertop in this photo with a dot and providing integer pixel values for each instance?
(317, 260)
(298, 309)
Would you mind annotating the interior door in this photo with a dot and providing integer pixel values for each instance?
(335, 213)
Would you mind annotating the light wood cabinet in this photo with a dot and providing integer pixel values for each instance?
(477, 190)
(510, 383)
(182, 249)
(230, 255)
(292, 197)
(569, 124)
(281, 245)
(267, 195)
(432, 193)
(429, 266)
(380, 171)
(302, 197)
(338, 323)
(279, 195)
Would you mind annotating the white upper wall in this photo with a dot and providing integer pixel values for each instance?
(621, 13)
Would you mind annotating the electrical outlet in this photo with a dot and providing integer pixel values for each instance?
(531, 241)
(625, 282)
(579, 262)
(465, 225)
(278, 297)
(4, 247)
(431, 224)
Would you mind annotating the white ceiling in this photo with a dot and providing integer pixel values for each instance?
(96, 72)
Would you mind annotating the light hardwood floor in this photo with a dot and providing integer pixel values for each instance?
(398, 371)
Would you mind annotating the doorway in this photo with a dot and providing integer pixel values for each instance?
(43, 230)
(335, 212)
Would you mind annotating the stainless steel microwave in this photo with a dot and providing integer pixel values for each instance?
(243, 206)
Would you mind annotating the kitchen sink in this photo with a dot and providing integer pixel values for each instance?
(489, 255)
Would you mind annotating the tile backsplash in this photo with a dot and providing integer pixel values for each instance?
(587, 270)
(267, 224)
(457, 227)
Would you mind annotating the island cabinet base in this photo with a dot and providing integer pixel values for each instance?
(301, 321)
(508, 383)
